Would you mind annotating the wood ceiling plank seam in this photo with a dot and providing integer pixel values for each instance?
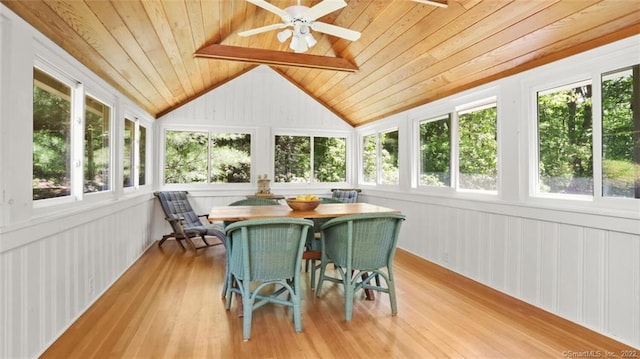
(119, 30)
(529, 60)
(379, 40)
(520, 43)
(352, 17)
(374, 36)
(177, 21)
(269, 40)
(226, 15)
(89, 29)
(38, 14)
(195, 14)
(453, 20)
(560, 10)
(135, 18)
(158, 18)
(211, 24)
(497, 21)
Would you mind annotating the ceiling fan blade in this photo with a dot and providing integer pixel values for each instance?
(271, 8)
(335, 31)
(323, 8)
(262, 29)
(438, 3)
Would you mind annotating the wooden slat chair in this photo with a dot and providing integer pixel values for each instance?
(185, 223)
(361, 247)
(265, 261)
(346, 196)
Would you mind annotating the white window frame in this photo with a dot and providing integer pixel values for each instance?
(591, 70)
(76, 155)
(378, 133)
(110, 101)
(135, 167)
(208, 129)
(311, 133)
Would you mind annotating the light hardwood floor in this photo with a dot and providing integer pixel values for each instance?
(168, 305)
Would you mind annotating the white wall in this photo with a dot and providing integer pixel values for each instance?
(55, 261)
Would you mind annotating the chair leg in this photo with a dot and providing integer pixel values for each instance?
(247, 304)
(348, 297)
(323, 266)
(392, 292)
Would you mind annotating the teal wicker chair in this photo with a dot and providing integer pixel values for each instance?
(361, 247)
(243, 202)
(185, 223)
(267, 251)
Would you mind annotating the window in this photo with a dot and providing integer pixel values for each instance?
(380, 153)
(134, 154)
(565, 155)
(207, 157)
(370, 158)
(621, 133)
(230, 158)
(97, 156)
(51, 136)
(478, 148)
(304, 159)
(435, 152)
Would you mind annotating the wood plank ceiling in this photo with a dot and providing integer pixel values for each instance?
(409, 53)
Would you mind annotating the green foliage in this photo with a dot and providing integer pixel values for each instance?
(478, 149)
(230, 158)
(565, 140)
(435, 152)
(185, 157)
(330, 159)
(369, 159)
(51, 144)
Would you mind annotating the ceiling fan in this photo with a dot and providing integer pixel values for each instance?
(303, 19)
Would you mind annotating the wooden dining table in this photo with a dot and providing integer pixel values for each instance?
(324, 210)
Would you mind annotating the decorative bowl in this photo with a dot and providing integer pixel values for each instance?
(302, 205)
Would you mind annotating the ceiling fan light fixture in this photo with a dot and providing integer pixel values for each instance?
(298, 44)
(284, 35)
(311, 41)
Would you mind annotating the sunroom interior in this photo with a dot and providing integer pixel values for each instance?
(571, 249)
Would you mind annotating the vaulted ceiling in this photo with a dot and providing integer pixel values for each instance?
(409, 53)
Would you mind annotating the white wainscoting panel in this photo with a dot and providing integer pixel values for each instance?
(48, 283)
(590, 276)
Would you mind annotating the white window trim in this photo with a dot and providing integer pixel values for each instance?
(208, 129)
(311, 133)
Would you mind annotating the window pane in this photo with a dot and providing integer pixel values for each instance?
(51, 137)
(478, 148)
(621, 134)
(231, 158)
(565, 143)
(292, 159)
(389, 157)
(435, 152)
(128, 153)
(330, 159)
(185, 158)
(369, 159)
(142, 162)
(96, 145)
